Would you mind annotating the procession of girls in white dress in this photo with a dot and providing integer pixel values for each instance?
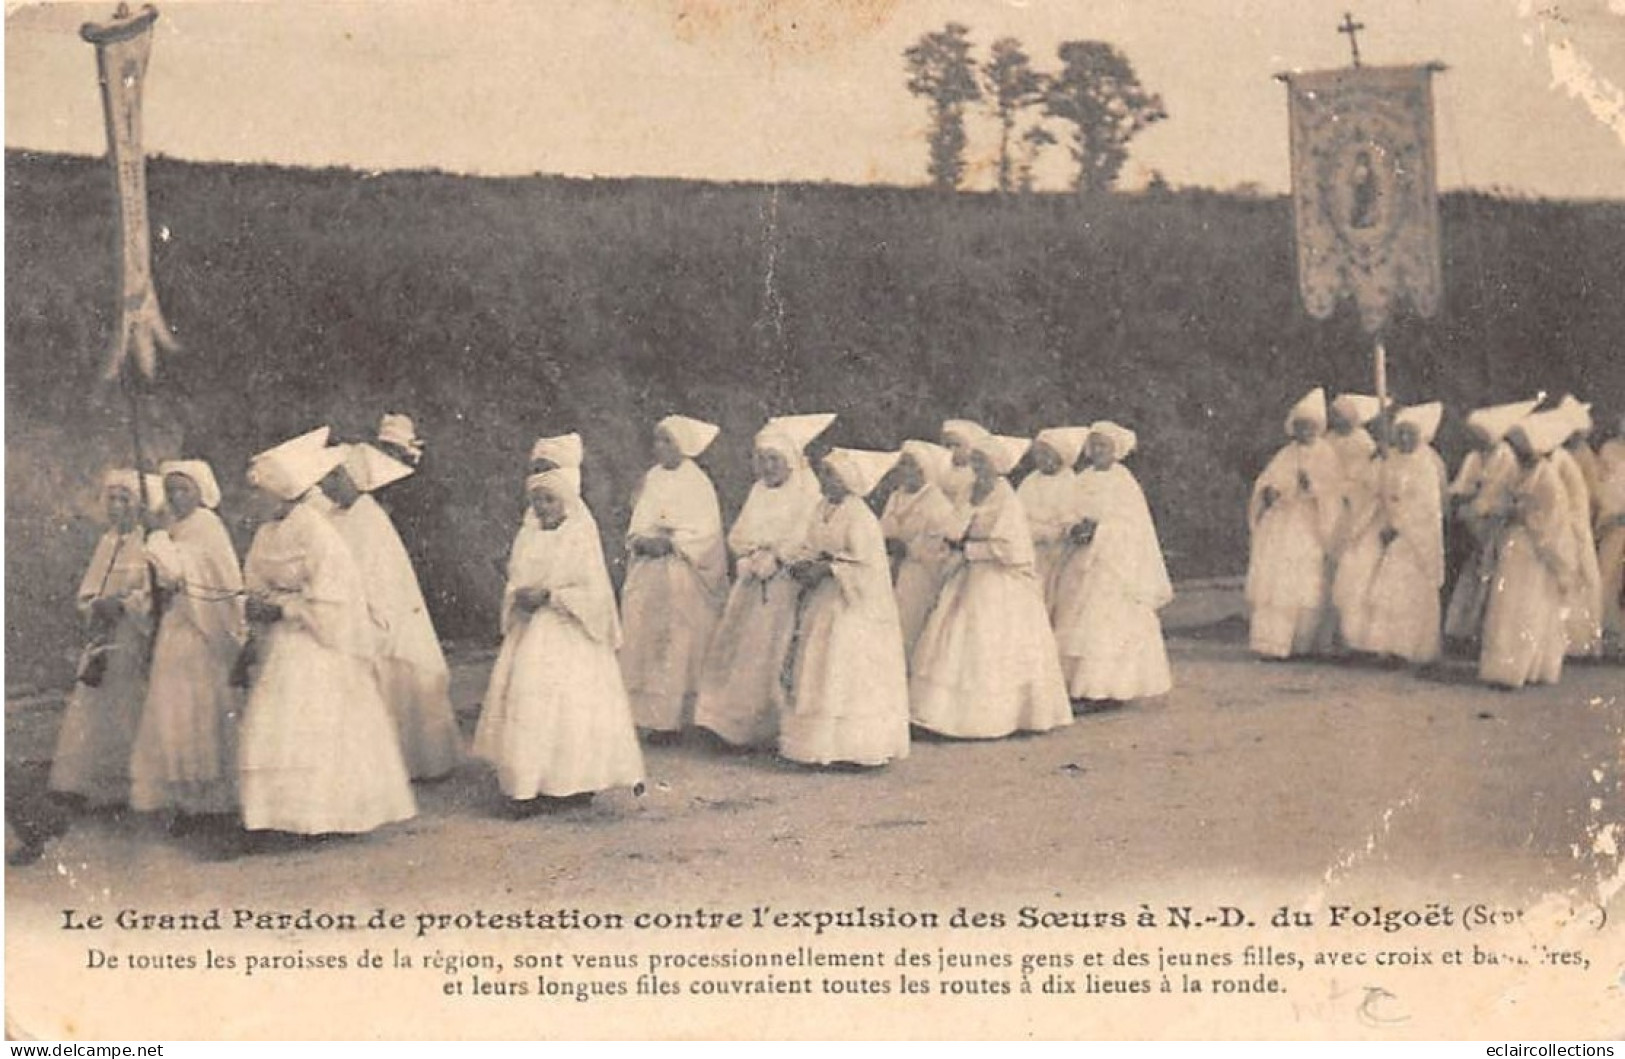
(305, 690)
(1348, 533)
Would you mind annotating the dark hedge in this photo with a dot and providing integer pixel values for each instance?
(493, 310)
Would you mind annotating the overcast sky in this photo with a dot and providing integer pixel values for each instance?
(1533, 102)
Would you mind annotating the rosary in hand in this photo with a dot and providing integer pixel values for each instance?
(262, 610)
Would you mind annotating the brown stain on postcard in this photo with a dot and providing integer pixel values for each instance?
(783, 27)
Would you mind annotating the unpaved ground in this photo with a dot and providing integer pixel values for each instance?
(1298, 779)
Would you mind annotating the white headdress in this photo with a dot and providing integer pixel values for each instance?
(860, 470)
(1545, 431)
(691, 436)
(561, 481)
(398, 430)
(967, 432)
(289, 470)
(1424, 417)
(1002, 451)
(565, 450)
(1578, 413)
(1357, 408)
(201, 475)
(127, 480)
(1067, 442)
(370, 468)
(933, 459)
(789, 436)
(1122, 438)
(1495, 420)
(1311, 406)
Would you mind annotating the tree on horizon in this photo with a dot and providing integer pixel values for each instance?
(1011, 86)
(1098, 93)
(941, 70)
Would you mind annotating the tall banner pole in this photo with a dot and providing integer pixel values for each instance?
(123, 47)
(1379, 366)
(1365, 202)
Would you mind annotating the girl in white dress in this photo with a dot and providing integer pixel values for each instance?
(1048, 496)
(1112, 581)
(986, 665)
(1475, 494)
(556, 723)
(847, 685)
(318, 752)
(918, 523)
(676, 578)
(741, 692)
(958, 435)
(1346, 419)
(185, 757)
(92, 758)
(1536, 564)
(1582, 601)
(411, 667)
(1294, 515)
(1398, 550)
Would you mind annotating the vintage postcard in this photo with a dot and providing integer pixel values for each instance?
(679, 519)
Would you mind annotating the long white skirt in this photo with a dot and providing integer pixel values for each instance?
(1287, 585)
(556, 720)
(918, 584)
(318, 752)
(1398, 615)
(850, 699)
(92, 757)
(1352, 587)
(1583, 603)
(420, 706)
(185, 754)
(1523, 620)
(741, 690)
(668, 618)
(1111, 645)
(1048, 558)
(986, 664)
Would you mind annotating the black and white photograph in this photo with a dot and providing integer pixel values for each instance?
(814, 519)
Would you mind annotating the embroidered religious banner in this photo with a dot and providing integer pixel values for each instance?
(1363, 190)
(122, 48)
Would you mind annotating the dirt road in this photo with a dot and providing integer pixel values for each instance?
(1292, 778)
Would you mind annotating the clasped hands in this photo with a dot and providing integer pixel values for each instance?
(656, 547)
(262, 611)
(106, 610)
(531, 599)
(809, 573)
(1270, 494)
